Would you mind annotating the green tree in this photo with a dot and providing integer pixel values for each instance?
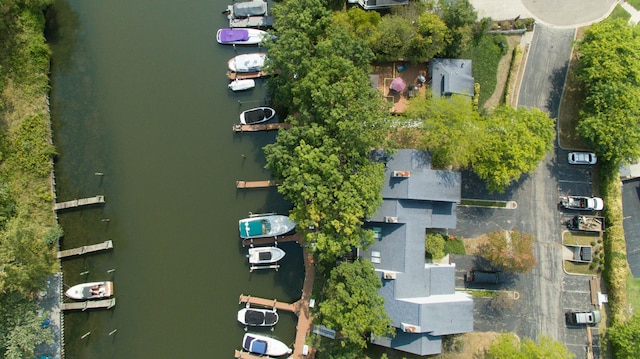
(352, 304)
(515, 141)
(623, 338)
(511, 250)
(389, 42)
(460, 17)
(431, 38)
(434, 245)
(508, 346)
(20, 326)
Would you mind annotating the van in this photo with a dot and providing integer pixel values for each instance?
(476, 276)
(576, 317)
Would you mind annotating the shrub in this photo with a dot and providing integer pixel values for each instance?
(434, 245)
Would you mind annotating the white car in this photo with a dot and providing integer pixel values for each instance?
(582, 158)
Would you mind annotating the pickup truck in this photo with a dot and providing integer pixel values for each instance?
(582, 203)
(583, 317)
(586, 223)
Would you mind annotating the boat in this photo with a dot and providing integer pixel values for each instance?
(92, 290)
(264, 345)
(257, 317)
(242, 85)
(257, 115)
(240, 36)
(265, 255)
(246, 9)
(248, 62)
(269, 225)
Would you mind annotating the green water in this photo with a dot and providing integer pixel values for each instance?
(139, 94)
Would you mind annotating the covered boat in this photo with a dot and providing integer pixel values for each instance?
(269, 225)
(257, 115)
(242, 85)
(248, 8)
(240, 36)
(92, 290)
(264, 345)
(257, 317)
(247, 62)
(265, 255)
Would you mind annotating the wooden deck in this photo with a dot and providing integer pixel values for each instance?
(256, 184)
(267, 303)
(269, 240)
(78, 202)
(252, 21)
(246, 75)
(261, 127)
(85, 249)
(89, 304)
(245, 355)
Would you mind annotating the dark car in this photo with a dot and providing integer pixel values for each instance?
(476, 276)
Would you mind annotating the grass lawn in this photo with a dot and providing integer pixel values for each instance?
(486, 55)
(455, 246)
(578, 268)
(580, 238)
(634, 3)
(482, 203)
(633, 293)
(620, 13)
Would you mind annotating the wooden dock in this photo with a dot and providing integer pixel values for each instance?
(261, 127)
(246, 75)
(252, 21)
(267, 303)
(78, 202)
(246, 355)
(89, 304)
(269, 240)
(85, 249)
(256, 184)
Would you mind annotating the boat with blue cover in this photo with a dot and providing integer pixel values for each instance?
(267, 225)
(264, 345)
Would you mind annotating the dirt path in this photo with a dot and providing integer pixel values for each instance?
(503, 72)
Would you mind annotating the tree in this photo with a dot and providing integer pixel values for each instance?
(516, 140)
(511, 250)
(508, 346)
(352, 304)
(434, 245)
(608, 67)
(624, 338)
(20, 326)
(460, 16)
(431, 38)
(393, 34)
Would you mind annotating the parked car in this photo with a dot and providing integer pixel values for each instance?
(476, 276)
(582, 158)
(581, 317)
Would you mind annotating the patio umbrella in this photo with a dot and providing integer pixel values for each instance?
(398, 84)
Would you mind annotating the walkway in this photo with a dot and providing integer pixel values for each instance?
(635, 14)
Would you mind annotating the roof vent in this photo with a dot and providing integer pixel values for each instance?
(401, 174)
(410, 328)
(390, 219)
(389, 275)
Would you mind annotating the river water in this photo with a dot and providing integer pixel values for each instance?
(139, 95)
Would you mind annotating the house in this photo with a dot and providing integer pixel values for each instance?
(420, 298)
(451, 76)
(378, 4)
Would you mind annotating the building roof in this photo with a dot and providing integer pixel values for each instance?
(451, 76)
(420, 298)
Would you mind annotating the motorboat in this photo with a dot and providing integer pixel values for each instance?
(258, 317)
(247, 62)
(257, 115)
(246, 9)
(241, 36)
(242, 85)
(264, 345)
(92, 290)
(268, 225)
(265, 255)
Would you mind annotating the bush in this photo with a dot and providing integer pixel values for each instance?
(434, 245)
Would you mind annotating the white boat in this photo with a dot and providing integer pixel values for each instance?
(247, 62)
(269, 225)
(241, 36)
(264, 345)
(92, 290)
(257, 317)
(242, 85)
(257, 115)
(265, 255)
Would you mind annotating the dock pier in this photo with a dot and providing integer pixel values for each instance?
(256, 184)
(78, 202)
(246, 75)
(270, 240)
(89, 304)
(85, 249)
(261, 127)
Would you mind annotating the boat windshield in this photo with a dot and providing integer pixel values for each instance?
(266, 226)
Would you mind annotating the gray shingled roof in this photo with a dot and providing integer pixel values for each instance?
(451, 76)
(420, 295)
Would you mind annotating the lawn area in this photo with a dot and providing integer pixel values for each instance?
(634, 3)
(578, 268)
(633, 293)
(579, 238)
(454, 246)
(585, 239)
(486, 55)
(620, 13)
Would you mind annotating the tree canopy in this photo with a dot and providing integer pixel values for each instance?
(608, 67)
(352, 304)
(511, 250)
(624, 338)
(508, 346)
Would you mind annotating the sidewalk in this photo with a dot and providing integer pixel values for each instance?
(635, 14)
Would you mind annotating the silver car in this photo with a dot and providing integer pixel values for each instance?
(582, 158)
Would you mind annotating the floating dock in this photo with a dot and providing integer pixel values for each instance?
(252, 21)
(85, 249)
(246, 355)
(261, 127)
(79, 202)
(246, 75)
(256, 184)
(89, 304)
(269, 240)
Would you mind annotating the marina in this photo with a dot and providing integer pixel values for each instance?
(86, 249)
(78, 203)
